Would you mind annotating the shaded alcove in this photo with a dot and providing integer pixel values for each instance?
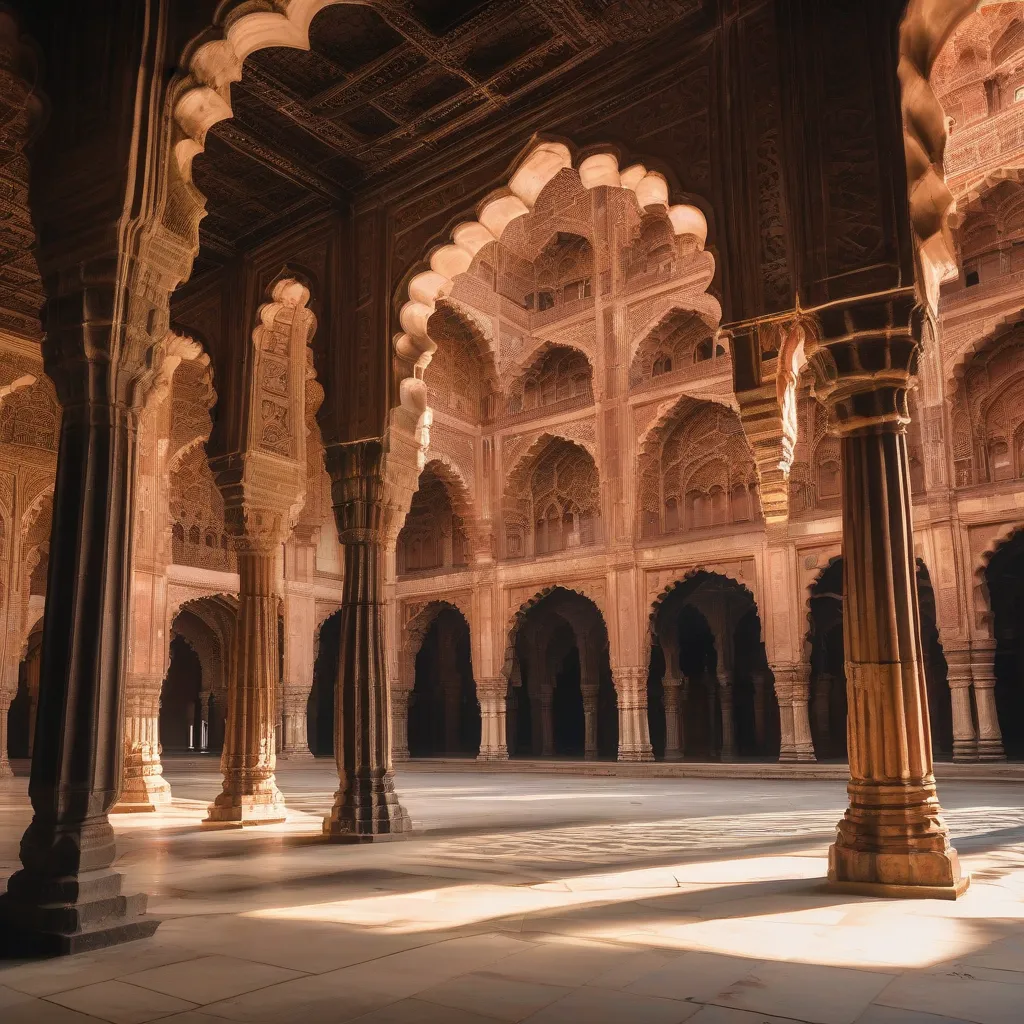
(1005, 578)
(444, 715)
(320, 705)
(708, 625)
(180, 714)
(827, 700)
(561, 675)
(22, 712)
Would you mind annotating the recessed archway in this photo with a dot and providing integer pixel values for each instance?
(1004, 576)
(561, 697)
(709, 688)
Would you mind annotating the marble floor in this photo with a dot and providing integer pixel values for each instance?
(540, 898)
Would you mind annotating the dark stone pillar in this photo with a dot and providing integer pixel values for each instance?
(892, 840)
(66, 898)
(366, 806)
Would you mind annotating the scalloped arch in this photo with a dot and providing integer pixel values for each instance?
(500, 208)
(670, 410)
(537, 447)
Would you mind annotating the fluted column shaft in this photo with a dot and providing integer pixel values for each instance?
(590, 722)
(250, 795)
(143, 787)
(546, 702)
(634, 731)
(493, 695)
(965, 740)
(400, 725)
(983, 676)
(365, 805)
(892, 837)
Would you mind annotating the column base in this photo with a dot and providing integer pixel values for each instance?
(673, 755)
(238, 810)
(145, 795)
(76, 914)
(991, 750)
(297, 755)
(501, 754)
(636, 755)
(887, 891)
(796, 756)
(400, 756)
(366, 811)
(6, 771)
(893, 836)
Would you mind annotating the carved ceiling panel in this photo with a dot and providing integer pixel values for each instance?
(389, 82)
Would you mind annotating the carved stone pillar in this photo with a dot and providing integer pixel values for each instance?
(590, 723)
(965, 740)
(250, 795)
(400, 725)
(32, 664)
(6, 699)
(822, 696)
(452, 706)
(365, 805)
(66, 897)
(634, 734)
(203, 740)
(545, 703)
(892, 838)
(983, 675)
(299, 640)
(728, 752)
(492, 695)
(791, 685)
(143, 786)
(760, 710)
(672, 690)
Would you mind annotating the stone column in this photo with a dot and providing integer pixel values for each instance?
(728, 724)
(545, 703)
(672, 689)
(143, 786)
(6, 699)
(965, 740)
(892, 839)
(203, 740)
(822, 699)
(791, 685)
(299, 640)
(66, 897)
(400, 724)
(365, 805)
(250, 795)
(983, 675)
(492, 695)
(590, 723)
(32, 683)
(634, 734)
(452, 687)
(760, 711)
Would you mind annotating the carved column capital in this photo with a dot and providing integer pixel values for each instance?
(863, 356)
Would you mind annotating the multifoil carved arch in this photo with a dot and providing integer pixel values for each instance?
(926, 26)
(416, 629)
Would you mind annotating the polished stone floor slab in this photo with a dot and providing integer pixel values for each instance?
(535, 897)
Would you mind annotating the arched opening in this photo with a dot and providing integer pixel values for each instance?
(181, 717)
(1004, 576)
(710, 693)
(444, 715)
(320, 706)
(828, 702)
(561, 700)
(433, 537)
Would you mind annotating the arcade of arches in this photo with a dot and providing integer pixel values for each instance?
(444, 425)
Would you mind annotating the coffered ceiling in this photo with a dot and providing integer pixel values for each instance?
(389, 83)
